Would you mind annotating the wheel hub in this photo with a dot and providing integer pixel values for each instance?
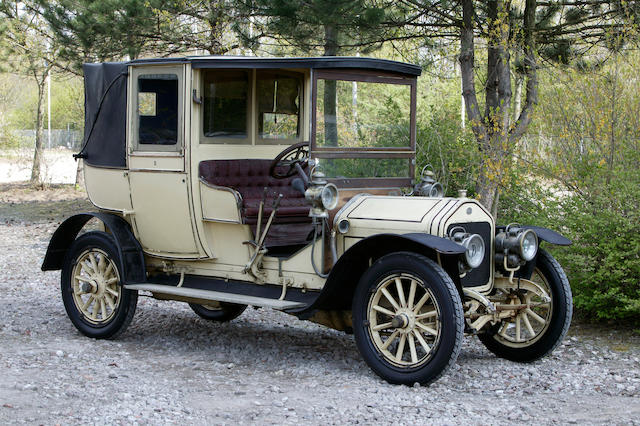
(86, 287)
(400, 321)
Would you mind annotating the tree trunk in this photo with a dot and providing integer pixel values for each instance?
(80, 174)
(493, 131)
(330, 89)
(517, 97)
(495, 161)
(36, 169)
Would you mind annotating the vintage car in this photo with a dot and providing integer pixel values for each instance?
(291, 184)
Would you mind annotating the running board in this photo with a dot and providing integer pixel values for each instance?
(194, 293)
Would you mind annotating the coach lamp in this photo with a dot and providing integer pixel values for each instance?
(322, 195)
(515, 246)
(428, 187)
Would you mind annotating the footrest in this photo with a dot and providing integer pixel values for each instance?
(216, 296)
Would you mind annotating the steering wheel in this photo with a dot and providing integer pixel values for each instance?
(295, 154)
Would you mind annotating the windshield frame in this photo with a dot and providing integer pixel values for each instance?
(334, 152)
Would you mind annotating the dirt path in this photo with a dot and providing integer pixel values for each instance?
(58, 166)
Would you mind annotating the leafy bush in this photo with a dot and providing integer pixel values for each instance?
(451, 150)
(582, 178)
(604, 261)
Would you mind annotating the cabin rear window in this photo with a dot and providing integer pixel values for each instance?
(158, 109)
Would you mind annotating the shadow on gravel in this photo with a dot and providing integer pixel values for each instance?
(250, 340)
(24, 203)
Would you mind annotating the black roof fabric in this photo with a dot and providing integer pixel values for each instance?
(322, 62)
(105, 114)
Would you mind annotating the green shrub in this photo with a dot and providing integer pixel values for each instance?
(604, 261)
(451, 150)
(581, 177)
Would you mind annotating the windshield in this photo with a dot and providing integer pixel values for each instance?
(355, 114)
(364, 126)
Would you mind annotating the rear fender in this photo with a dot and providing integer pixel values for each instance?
(132, 262)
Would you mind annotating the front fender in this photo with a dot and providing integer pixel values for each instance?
(550, 236)
(340, 286)
(131, 255)
(544, 234)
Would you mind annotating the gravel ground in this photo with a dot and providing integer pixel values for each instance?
(269, 368)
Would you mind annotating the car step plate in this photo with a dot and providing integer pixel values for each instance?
(216, 296)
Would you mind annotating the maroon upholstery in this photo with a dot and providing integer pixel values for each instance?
(249, 178)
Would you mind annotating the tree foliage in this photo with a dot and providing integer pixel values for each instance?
(28, 48)
(98, 31)
(517, 36)
(327, 26)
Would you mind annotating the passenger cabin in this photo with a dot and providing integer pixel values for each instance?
(182, 147)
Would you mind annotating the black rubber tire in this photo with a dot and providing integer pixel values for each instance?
(562, 310)
(451, 312)
(227, 311)
(129, 298)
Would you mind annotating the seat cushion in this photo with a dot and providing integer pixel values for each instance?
(249, 178)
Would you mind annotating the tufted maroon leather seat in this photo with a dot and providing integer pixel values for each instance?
(249, 178)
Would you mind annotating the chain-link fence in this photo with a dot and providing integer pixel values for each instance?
(71, 139)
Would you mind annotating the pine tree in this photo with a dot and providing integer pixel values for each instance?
(329, 27)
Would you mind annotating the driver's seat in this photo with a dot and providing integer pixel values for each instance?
(249, 178)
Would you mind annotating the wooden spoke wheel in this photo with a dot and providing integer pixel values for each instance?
(96, 286)
(407, 319)
(92, 291)
(540, 326)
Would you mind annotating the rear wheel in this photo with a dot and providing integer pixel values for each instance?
(537, 330)
(218, 311)
(92, 292)
(407, 319)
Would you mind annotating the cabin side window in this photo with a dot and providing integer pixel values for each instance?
(251, 106)
(226, 106)
(278, 97)
(158, 109)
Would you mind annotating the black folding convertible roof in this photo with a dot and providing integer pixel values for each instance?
(105, 89)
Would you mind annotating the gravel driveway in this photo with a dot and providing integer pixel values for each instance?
(267, 367)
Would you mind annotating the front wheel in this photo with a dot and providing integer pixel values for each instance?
(407, 319)
(92, 292)
(536, 330)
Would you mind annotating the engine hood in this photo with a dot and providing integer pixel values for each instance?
(371, 214)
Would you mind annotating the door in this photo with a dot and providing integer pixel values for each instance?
(158, 178)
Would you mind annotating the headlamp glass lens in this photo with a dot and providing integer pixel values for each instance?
(329, 196)
(529, 245)
(475, 250)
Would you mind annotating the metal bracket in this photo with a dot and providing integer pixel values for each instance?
(197, 99)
